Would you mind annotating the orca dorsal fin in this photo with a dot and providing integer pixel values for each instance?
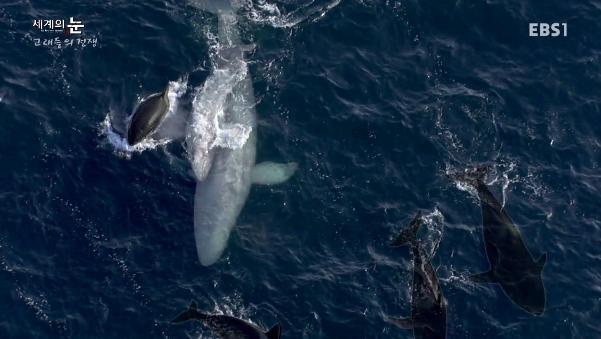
(190, 314)
(275, 332)
(541, 261)
(483, 277)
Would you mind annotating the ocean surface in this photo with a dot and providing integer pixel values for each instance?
(376, 100)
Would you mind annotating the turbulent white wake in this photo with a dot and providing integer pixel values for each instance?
(269, 13)
(208, 127)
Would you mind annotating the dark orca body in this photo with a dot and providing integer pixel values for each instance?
(147, 117)
(228, 327)
(428, 305)
(511, 264)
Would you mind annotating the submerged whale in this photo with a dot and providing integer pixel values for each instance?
(226, 326)
(428, 305)
(225, 170)
(147, 116)
(511, 264)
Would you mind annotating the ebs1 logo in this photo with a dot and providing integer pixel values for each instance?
(543, 29)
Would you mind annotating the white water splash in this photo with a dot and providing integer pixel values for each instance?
(459, 184)
(463, 186)
(37, 303)
(119, 142)
(176, 90)
(208, 128)
(269, 13)
(433, 233)
(506, 182)
(507, 173)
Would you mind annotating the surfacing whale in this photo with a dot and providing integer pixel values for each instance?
(428, 305)
(224, 169)
(147, 116)
(511, 264)
(227, 326)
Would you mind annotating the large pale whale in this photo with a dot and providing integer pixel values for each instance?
(226, 326)
(428, 305)
(511, 264)
(147, 116)
(223, 166)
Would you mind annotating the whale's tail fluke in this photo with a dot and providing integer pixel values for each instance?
(214, 6)
(190, 314)
(409, 235)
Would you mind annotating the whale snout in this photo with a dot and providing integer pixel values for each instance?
(208, 260)
(210, 245)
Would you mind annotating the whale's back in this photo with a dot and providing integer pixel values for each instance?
(220, 197)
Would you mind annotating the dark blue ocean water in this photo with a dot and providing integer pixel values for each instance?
(376, 100)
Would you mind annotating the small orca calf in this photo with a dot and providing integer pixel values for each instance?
(148, 116)
(511, 264)
(428, 305)
(228, 327)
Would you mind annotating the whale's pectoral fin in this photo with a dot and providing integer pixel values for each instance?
(271, 173)
(483, 277)
(275, 332)
(404, 323)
